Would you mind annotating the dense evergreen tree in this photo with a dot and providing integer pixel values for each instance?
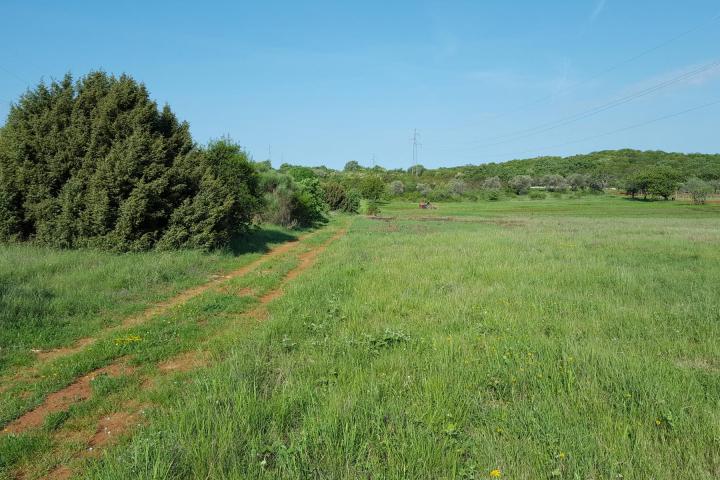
(96, 163)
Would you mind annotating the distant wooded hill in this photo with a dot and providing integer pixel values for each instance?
(612, 166)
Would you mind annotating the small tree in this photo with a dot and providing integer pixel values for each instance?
(715, 184)
(632, 186)
(597, 183)
(661, 181)
(492, 183)
(397, 187)
(555, 183)
(334, 194)
(698, 190)
(457, 186)
(352, 166)
(577, 181)
(424, 189)
(520, 184)
(372, 187)
(351, 202)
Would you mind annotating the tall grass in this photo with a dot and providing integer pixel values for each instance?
(575, 341)
(50, 298)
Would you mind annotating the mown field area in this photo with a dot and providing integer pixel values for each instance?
(573, 338)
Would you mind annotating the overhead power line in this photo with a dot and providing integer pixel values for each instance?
(15, 76)
(611, 68)
(542, 128)
(611, 132)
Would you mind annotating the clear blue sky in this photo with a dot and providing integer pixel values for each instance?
(325, 82)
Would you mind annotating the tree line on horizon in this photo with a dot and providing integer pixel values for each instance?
(96, 163)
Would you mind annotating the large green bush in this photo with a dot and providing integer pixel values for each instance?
(224, 197)
(339, 198)
(96, 163)
(292, 203)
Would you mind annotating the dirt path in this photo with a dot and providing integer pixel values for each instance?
(160, 308)
(61, 400)
(109, 428)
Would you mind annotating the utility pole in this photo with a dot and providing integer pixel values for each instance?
(416, 144)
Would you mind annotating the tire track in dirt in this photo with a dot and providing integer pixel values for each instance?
(184, 362)
(178, 299)
(157, 309)
(61, 400)
(80, 390)
(306, 260)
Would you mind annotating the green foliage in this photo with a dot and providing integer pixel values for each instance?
(351, 202)
(334, 194)
(577, 181)
(291, 203)
(715, 184)
(554, 183)
(520, 184)
(698, 190)
(372, 207)
(457, 186)
(595, 171)
(662, 181)
(372, 187)
(608, 168)
(423, 189)
(397, 187)
(298, 173)
(493, 195)
(537, 195)
(352, 166)
(492, 183)
(225, 197)
(96, 163)
(338, 198)
(312, 206)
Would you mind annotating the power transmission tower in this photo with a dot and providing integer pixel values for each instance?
(416, 144)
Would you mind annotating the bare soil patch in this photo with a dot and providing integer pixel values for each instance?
(61, 400)
(114, 425)
(61, 352)
(184, 362)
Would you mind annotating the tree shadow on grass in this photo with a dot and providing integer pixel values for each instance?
(259, 240)
(645, 200)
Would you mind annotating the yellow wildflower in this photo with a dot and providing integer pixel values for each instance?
(495, 473)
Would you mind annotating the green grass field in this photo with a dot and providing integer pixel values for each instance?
(557, 338)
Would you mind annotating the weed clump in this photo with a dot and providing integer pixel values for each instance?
(387, 339)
